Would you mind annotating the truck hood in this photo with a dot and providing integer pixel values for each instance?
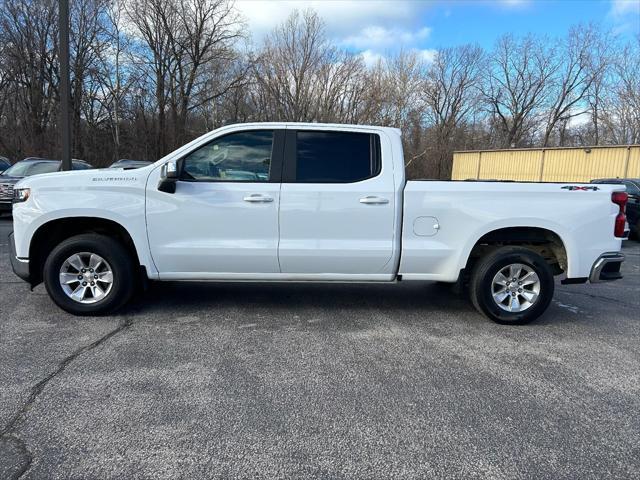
(5, 179)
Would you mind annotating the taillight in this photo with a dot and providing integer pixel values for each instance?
(620, 199)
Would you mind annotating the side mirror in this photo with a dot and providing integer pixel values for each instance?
(168, 177)
(169, 171)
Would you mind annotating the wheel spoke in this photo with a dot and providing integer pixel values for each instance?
(68, 278)
(514, 271)
(500, 279)
(529, 296)
(500, 296)
(76, 262)
(79, 293)
(96, 291)
(95, 261)
(529, 279)
(105, 277)
(514, 304)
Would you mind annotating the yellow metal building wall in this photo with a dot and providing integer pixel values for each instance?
(465, 165)
(633, 169)
(576, 165)
(522, 165)
(549, 165)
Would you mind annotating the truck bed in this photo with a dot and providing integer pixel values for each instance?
(443, 220)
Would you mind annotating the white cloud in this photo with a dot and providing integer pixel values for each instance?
(342, 17)
(625, 15)
(372, 28)
(621, 8)
(370, 57)
(428, 55)
(514, 3)
(378, 37)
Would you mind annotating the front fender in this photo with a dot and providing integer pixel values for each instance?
(127, 211)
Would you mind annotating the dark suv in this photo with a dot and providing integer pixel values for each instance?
(25, 168)
(633, 205)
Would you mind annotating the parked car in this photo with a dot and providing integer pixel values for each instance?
(633, 205)
(4, 164)
(328, 203)
(128, 164)
(25, 168)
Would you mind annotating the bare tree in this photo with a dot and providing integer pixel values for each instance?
(300, 76)
(206, 33)
(29, 33)
(149, 75)
(287, 70)
(343, 88)
(577, 69)
(621, 115)
(516, 85)
(450, 94)
(112, 79)
(185, 38)
(600, 71)
(88, 39)
(152, 19)
(396, 85)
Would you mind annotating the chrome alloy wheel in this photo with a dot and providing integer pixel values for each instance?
(86, 277)
(515, 288)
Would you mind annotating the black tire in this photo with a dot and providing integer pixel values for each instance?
(110, 250)
(481, 286)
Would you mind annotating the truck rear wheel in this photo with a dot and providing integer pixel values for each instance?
(89, 274)
(512, 285)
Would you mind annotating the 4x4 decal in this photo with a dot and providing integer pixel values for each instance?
(577, 187)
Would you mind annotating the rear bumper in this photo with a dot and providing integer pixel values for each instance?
(20, 266)
(607, 267)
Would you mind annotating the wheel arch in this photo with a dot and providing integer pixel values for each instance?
(545, 241)
(54, 231)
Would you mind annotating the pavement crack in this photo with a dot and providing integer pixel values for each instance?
(8, 433)
(16, 457)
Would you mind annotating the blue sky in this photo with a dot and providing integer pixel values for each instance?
(376, 27)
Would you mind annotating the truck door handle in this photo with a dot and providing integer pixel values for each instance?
(257, 198)
(372, 200)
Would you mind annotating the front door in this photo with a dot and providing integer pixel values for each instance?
(222, 220)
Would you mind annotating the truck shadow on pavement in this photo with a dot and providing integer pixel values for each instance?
(345, 305)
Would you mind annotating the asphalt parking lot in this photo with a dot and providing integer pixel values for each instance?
(319, 381)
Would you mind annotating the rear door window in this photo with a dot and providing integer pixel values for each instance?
(335, 157)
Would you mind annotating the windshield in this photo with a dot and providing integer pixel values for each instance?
(26, 169)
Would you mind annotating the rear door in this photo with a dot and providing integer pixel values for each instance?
(337, 205)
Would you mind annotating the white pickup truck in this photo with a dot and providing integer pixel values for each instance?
(308, 203)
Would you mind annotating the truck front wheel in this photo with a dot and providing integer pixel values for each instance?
(512, 285)
(89, 274)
